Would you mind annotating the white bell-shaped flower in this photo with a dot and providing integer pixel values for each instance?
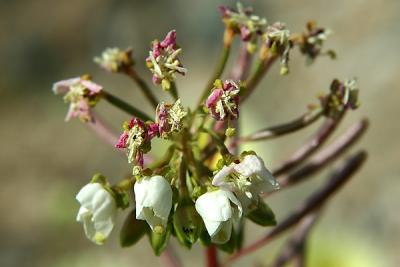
(97, 212)
(153, 201)
(247, 179)
(219, 210)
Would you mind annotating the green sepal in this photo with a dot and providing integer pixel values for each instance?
(262, 214)
(159, 241)
(99, 178)
(236, 240)
(187, 224)
(132, 230)
(121, 198)
(204, 237)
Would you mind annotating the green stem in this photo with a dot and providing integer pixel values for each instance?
(121, 104)
(251, 83)
(165, 159)
(146, 90)
(217, 73)
(174, 92)
(218, 141)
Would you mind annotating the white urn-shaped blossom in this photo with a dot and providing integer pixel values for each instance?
(247, 179)
(153, 197)
(97, 212)
(219, 210)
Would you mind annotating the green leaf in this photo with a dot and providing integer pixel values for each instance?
(132, 230)
(262, 215)
(159, 241)
(187, 224)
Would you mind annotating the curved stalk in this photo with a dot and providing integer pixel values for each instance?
(283, 129)
(121, 104)
(217, 73)
(146, 90)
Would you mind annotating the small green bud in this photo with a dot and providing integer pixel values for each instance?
(284, 70)
(187, 223)
(230, 132)
(165, 84)
(159, 239)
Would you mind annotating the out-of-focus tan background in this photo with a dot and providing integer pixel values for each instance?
(44, 161)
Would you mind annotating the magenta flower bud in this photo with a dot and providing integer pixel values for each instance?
(169, 40)
(223, 101)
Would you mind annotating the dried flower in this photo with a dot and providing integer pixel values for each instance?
(81, 93)
(243, 22)
(115, 60)
(169, 118)
(247, 179)
(153, 196)
(223, 101)
(311, 42)
(136, 140)
(219, 210)
(97, 212)
(163, 61)
(342, 96)
(277, 39)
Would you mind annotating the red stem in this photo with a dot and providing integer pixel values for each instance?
(211, 256)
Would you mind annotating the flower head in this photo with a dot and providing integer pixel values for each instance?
(219, 210)
(136, 140)
(342, 96)
(247, 179)
(277, 39)
(243, 22)
(163, 61)
(311, 42)
(97, 212)
(114, 59)
(153, 196)
(223, 101)
(169, 118)
(81, 94)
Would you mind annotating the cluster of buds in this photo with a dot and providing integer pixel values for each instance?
(163, 61)
(223, 102)
(311, 42)
(169, 118)
(136, 139)
(342, 96)
(115, 60)
(277, 41)
(243, 22)
(81, 93)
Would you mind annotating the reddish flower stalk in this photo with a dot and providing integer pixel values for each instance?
(211, 256)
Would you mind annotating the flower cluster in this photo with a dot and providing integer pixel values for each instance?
(81, 93)
(342, 96)
(115, 60)
(223, 102)
(243, 22)
(204, 186)
(163, 61)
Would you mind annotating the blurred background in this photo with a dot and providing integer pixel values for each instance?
(44, 161)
